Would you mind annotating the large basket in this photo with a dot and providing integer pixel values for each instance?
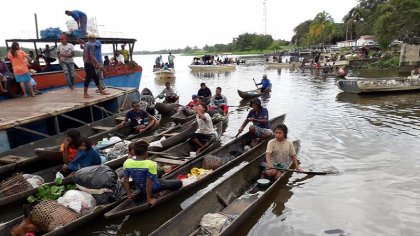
(48, 215)
(14, 185)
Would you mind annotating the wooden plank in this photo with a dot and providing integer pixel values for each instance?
(19, 111)
(170, 134)
(101, 128)
(120, 118)
(169, 161)
(12, 159)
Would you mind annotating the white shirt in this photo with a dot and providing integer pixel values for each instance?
(65, 51)
(205, 126)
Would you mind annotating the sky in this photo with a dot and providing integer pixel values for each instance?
(170, 24)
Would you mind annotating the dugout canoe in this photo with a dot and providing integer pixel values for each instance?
(25, 157)
(175, 136)
(166, 108)
(252, 93)
(235, 148)
(177, 156)
(147, 96)
(276, 65)
(411, 83)
(238, 197)
(183, 115)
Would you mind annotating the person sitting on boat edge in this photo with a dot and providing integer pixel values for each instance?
(205, 130)
(218, 102)
(86, 156)
(195, 101)
(68, 147)
(265, 84)
(140, 120)
(4, 73)
(280, 152)
(169, 94)
(119, 57)
(204, 93)
(144, 175)
(260, 129)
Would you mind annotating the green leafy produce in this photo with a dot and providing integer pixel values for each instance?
(51, 191)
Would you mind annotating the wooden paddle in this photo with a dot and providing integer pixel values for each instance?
(255, 83)
(304, 172)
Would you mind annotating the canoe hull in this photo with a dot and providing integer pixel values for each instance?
(379, 85)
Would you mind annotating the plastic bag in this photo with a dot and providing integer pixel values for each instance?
(79, 201)
(34, 180)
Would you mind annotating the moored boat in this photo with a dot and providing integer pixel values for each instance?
(175, 157)
(166, 108)
(235, 199)
(276, 65)
(183, 115)
(411, 83)
(252, 93)
(233, 153)
(222, 67)
(147, 96)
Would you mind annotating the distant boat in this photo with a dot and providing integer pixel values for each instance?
(165, 73)
(276, 65)
(212, 67)
(411, 83)
(210, 63)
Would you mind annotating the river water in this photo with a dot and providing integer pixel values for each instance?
(372, 141)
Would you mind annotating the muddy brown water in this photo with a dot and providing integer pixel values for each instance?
(372, 141)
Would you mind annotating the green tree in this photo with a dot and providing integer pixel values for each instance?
(321, 27)
(300, 32)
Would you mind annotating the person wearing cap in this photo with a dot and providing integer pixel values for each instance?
(258, 115)
(169, 94)
(204, 93)
(65, 54)
(265, 84)
(91, 64)
(205, 131)
(81, 19)
(195, 101)
(140, 119)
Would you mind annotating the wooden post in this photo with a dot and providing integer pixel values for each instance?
(36, 26)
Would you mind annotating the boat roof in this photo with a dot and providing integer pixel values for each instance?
(73, 40)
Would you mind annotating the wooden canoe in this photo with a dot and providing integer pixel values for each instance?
(252, 93)
(147, 96)
(411, 83)
(235, 149)
(175, 136)
(164, 74)
(26, 158)
(182, 116)
(178, 153)
(276, 65)
(166, 108)
(238, 196)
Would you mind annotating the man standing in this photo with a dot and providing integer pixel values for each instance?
(171, 60)
(81, 19)
(260, 129)
(91, 64)
(125, 54)
(47, 53)
(65, 53)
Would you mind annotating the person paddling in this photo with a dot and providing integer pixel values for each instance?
(265, 84)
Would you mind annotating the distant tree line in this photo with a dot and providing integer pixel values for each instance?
(386, 19)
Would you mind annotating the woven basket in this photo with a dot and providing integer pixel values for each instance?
(211, 162)
(48, 215)
(14, 185)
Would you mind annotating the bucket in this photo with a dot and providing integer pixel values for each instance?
(264, 183)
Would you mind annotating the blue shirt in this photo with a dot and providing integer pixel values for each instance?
(77, 14)
(140, 171)
(263, 114)
(137, 118)
(265, 83)
(84, 159)
(98, 51)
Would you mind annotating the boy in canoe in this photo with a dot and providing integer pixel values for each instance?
(140, 120)
(144, 174)
(205, 130)
(280, 153)
(260, 129)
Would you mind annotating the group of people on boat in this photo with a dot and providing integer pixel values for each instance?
(159, 64)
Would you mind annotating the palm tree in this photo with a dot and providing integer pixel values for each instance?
(318, 30)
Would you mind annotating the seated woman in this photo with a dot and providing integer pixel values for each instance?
(86, 156)
(68, 147)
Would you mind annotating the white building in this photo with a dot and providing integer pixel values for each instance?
(366, 40)
(347, 43)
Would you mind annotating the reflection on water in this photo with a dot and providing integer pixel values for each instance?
(372, 140)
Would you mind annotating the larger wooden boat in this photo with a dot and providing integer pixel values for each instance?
(51, 76)
(236, 198)
(233, 153)
(411, 83)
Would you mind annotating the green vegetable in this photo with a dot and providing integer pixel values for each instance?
(51, 191)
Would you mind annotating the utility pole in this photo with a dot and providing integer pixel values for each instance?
(36, 26)
(265, 16)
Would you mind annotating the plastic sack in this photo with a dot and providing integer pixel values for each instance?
(213, 223)
(51, 33)
(97, 177)
(34, 180)
(79, 201)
